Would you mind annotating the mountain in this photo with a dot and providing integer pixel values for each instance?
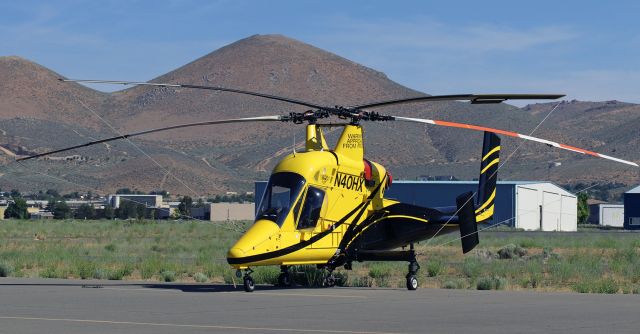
(39, 113)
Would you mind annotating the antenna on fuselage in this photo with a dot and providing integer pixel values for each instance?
(294, 143)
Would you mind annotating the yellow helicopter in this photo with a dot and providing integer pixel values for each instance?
(325, 206)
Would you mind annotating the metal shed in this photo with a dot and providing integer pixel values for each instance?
(611, 215)
(530, 205)
(632, 209)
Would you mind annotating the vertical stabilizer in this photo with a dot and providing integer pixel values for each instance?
(488, 177)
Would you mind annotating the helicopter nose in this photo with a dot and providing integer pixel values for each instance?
(253, 242)
(235, 252)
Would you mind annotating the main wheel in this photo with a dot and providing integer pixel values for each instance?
(412, 282)
(330, 281)
(284, 280)
(249, 286)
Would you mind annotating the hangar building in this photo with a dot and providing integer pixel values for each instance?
(632, 209)
(530, 205)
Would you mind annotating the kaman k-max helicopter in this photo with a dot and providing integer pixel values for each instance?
(326, 206)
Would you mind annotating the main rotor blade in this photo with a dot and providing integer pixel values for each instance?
(512, 134)
(474, 98)
(221, 89)
(224, 121)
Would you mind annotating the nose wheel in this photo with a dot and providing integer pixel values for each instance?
(285, 279)
(248, 283)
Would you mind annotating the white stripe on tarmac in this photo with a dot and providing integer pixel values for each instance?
(258, 329)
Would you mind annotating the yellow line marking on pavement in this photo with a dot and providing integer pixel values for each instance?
(262, 329)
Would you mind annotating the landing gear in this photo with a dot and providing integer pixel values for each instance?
(329, 279)
(285, 279)
(412, 280)
(249, 285)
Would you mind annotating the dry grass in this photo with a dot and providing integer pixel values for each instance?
(195, 251)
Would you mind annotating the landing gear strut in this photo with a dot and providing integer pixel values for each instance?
(285, 279)
(329, 279)
(412, 280)
(249, 285)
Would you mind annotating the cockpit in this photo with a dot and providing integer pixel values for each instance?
(283, 189)
(279, 196)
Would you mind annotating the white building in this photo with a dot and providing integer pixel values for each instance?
(610, 214)
(546, 207)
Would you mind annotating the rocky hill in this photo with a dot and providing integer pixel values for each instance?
(39, 113)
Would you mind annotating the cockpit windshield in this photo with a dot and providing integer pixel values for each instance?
(281, 192)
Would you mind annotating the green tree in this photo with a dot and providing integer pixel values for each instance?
(583, 208)
(52, 193)
(17, 209)
(108, 212)
(61, 210)
(186, 203)
(140, 211)
(126, 210)
(85, 211)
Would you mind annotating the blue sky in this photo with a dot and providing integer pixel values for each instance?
(586, 49)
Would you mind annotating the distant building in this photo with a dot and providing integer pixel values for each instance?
(594, 210)
(150, 201)
(232, 211)
(632, 209)
(606, 214)
(530, 205)
(41, 215)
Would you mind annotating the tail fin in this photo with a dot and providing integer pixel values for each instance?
(467, 222)
(488, 177)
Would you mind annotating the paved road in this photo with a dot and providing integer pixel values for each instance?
(69, 306)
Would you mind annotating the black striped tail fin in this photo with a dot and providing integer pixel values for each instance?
(488, 177)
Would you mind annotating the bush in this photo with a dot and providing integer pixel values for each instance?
(168, 276)
(311, 276)
(120, 273)
(434, 268)
(100, 273)
(512, 251)
(200, 277)
(110, 247)
(449, 285)
(491, 283)
(380, 275)
(484, 283)
(266, 275)
(472, 267)
(84, 269)
(50, 272)
(607, 285)
(6, 269)
(360, 282)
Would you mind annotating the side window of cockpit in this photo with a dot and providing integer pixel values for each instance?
(311, 208)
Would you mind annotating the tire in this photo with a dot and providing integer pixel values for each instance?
(412, 282)
(249, 286)
(330, 282)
